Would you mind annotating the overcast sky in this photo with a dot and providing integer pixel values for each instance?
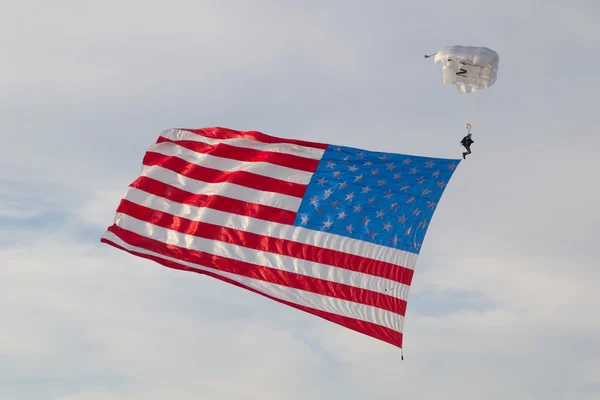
(504, 304)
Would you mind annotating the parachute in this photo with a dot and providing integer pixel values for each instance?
(469, 68)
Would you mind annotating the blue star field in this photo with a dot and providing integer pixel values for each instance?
(383, 198)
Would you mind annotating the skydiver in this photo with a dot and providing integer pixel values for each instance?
(467, 142)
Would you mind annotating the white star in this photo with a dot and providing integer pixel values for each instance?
(408, 231)
(335, 204)
(327, 224)
(372, 201)
(375, 171)
(366, 220)
(342, 215)
(452, 166)
(416, 211)
(397, 176)
(349, 228)
(416, 245)
(420, 180)
(372, 234)
(380, 214)
(441, 184)
(410, 200)
(390, 166)
(367, 164)
(388, 194)
(338, 149)
(423, 224)
(349, 197)
(383, 157)
(330, 164)
(336, 174)
(431, 204)
(343, 185)
(406, 161)
(353, 168)
(304, 219)
(387, 226)
(436, 174)
(381, 182)
(358, 178)
(345, 158)
(425, 191)
(314, 201)
(394, 206)
(322, 181)
(429, 164)
(395, 240)
(404, 187)
(361, 155)
(402, 219)
(365, 190)
(328, 193)
(413, 171)
(357, 208)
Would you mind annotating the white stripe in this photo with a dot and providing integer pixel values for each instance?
(286, 148)
(263, 258)
(275, 230)
(225, 189)
(227, 164)
(308, 299)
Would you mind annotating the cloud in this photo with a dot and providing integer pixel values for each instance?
(504, 300)
(95, 322)
(139, 330)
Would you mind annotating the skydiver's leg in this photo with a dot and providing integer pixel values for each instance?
(467, 152)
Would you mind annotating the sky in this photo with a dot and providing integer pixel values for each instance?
(504, 300)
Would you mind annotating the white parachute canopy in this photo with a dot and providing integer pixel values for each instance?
(469, 68)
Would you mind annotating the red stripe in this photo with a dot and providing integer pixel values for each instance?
(225, 133)
(266, 243)
(243, 178)
(247, 155)
(367, 328)
(215, 202)
(271, 275)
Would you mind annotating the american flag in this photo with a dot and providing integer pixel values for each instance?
(331, 230)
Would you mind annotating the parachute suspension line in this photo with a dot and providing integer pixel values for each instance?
(477, 99)
(402, 354)
(430, 55)
(471, 114)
